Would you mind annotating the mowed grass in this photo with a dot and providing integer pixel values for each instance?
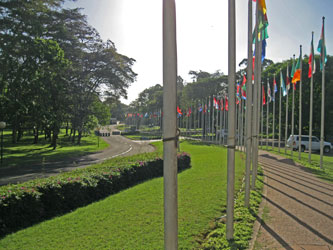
(133, 219)
(25, 153)
(326, 173)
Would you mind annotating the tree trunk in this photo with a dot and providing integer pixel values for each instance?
(19, 134)
(67, 129)
(79, 137)
(14, 138)
(54, 138)
(35, 135)
(73, 138)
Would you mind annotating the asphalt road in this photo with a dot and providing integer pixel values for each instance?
(119, 146)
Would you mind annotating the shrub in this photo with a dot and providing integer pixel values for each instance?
(31, 202)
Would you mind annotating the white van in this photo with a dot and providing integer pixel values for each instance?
(315, 145)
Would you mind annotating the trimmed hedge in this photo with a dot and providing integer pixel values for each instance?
(31, 202)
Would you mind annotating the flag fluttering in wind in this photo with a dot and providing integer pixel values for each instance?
(282, 85)
(311, 60)
(238, 94)
(179, 111)
(216, 104)
(200, 108)
(293, 69)
(320, 48)
(288, 79)
(269, 94)
(297, 73)
(274, 86)
(189, 112)
(263, 95)
(221, 102)
(243, 90)
(226, 104)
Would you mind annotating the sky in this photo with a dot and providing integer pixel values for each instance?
(135, 26)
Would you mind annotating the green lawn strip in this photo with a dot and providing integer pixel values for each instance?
(142, 137)
(244, 219)
(24, 152)
(133, 219)
(326, 173)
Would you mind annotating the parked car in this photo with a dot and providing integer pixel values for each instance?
(293, 142)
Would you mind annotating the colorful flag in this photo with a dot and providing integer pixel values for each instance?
(221, 102)
(238, 94)
(189, 112)
(288, 79)
(200, 108)
(179, 111)
(263, 95)
(269, 94)
(322, 44)
(263, 51)
(205, 108)
(274, 86)
(312, 60)
(282, 85)
(243, 90)
(297, 74)
(216, 105)
(226, 104)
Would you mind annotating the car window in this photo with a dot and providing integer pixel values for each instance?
(315, 139)
(305, 138)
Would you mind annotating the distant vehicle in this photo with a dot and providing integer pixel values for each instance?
(293, 142)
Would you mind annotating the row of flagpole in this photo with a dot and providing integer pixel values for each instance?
(254, 109)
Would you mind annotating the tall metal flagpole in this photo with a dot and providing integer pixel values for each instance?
(267, 115)
(170, 126)
(280, 94)
(262, 116)
(255, 100)
(300, 110)
(248, 111)
(322, 96)
(293, 114)
(213, 120)
(286, 126)
(311, 102)
(231, 119)
(273, 128)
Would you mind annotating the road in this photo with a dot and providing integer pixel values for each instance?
(119, 146)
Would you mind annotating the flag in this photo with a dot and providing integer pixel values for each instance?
(205, 108)
(312, 61)
(274, 86)
(293, 72)
(263, 95)
(288, 80)
(221, 102)
(297, 74)
(320, 48)
(200, 108)
(263, 51)
(146, 115)
(226, 104)
(243, 90)
(179, 111)
(189, 112)
(269, 94)
(216, 105)
(282, 85)
(237, 94)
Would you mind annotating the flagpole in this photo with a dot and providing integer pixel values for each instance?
(262, 116)
(292, 115)
(311, 102)
(273, 128)
(286, 126)
(213, 120)
(323, 51)
(248, 111)
(255, 100)
(280, 96)
(170, 126)
(300, 111)
(267, 115)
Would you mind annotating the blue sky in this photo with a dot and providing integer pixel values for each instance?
(135, 26)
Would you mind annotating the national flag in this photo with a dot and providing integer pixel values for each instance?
(226, 104)
(287, 78)
(312, 61)
(297, 74)
(243, 90)
(179, 111)
(216, 105)
(221, 102)
(320, 48)
(146, 115)
(263, 95)
(237, 94)
(263, 51)
(205, 108)
(282, 85)
(189, 112)
(200, 108)
(293, 72)
(274, 86)
(269, 94)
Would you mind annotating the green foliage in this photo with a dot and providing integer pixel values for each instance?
(34, 201)
(244, 219)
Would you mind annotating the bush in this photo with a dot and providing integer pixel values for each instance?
(31, 202)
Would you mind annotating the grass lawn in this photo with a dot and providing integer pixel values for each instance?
(24, 152)
(133, 218)
(326, 173)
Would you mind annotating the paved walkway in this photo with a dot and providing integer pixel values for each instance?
(297, 207)
(119, 146)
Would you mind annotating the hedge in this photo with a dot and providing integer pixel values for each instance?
(31, 202)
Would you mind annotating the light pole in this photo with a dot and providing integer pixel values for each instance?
(2, 126)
